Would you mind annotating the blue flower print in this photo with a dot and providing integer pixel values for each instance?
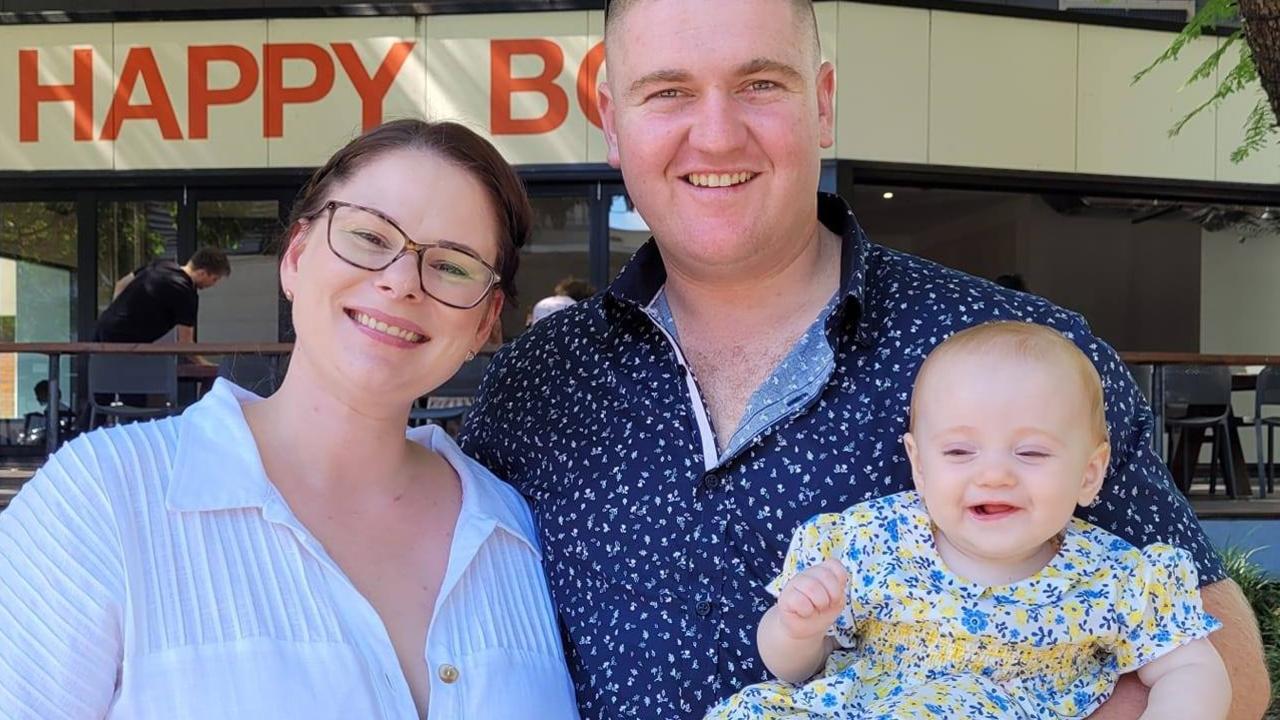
(974, 621)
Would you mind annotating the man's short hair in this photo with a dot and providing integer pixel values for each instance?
(211, 260)
(615, 10)
(572, 287)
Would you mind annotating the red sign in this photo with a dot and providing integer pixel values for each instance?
(502, 85)
(140, 66)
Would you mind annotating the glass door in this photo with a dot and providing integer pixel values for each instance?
(38, 272)
(558, 255)
(570, 252)
(245, 306)
(132, 233)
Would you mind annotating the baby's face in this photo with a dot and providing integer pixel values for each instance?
(1002, 451)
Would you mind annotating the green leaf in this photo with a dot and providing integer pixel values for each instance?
(1235, 80)
(1259, 128)
(1211, 15)
(1210, 63)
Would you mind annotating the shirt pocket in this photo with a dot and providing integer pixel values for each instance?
(501, 684)
(252, 678)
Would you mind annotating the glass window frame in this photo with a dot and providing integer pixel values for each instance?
(598, 194)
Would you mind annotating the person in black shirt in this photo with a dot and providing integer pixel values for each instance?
(161, 295)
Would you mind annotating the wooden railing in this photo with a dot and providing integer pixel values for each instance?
(1178, 358)
(55, 351)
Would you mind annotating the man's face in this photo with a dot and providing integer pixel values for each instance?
(716, 111)
(204, 279)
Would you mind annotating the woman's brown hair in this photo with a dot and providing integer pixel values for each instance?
(456, 144)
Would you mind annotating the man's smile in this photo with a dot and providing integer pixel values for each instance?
(719, 180)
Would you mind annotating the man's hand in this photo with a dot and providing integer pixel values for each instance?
(812, 600)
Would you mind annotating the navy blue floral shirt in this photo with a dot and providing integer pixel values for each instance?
(657, 550)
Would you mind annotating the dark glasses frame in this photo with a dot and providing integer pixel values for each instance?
(410, 245)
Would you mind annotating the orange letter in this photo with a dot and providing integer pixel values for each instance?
(31, 93)
(141, 63)
(277, 94)
(588, 78)
(200, 97)
(372, 90)
(502, 86)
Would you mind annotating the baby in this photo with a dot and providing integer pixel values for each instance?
(979, 595)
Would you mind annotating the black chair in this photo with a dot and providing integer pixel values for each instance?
(1204, 394)
(259, 374)
(1267, 393)
(453, 399)
(1142, 378)
(116, 382)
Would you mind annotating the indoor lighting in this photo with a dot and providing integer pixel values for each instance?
(888, 196)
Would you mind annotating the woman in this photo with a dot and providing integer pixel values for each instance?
(298, 556)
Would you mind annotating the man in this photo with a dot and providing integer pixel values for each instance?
(750, 367)
(574, 288)
(544, 308)
(153, 299)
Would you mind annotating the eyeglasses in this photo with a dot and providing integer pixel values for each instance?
(451, 273)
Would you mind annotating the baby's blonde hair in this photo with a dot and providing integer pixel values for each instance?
(1026, 341)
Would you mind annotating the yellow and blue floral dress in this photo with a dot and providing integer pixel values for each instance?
(917, 641)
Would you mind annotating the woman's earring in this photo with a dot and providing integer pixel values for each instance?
(288, 295)
(471, 355)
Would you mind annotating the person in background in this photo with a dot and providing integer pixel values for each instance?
(568, 291)
(153, 299)
(41, 391)
(548, 305)
(302, 556)
(749, 367)
(572, 287)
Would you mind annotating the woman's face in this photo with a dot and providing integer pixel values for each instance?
(335, 303)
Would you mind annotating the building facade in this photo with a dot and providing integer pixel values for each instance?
(994, 138)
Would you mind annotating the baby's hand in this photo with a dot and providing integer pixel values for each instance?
(812, 600)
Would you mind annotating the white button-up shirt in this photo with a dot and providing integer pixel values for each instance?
(153, 571)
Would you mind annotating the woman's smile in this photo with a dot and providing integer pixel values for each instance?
(395, 331)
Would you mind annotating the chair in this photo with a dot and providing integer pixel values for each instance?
(1142, 378)
(1197, 387)
(1267, 393)
(259, 374)
(118, 376)
(453, 399)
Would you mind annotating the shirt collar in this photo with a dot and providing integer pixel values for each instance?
(644, 275)
(217, 467)
(1047, 587)
(485, 498)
